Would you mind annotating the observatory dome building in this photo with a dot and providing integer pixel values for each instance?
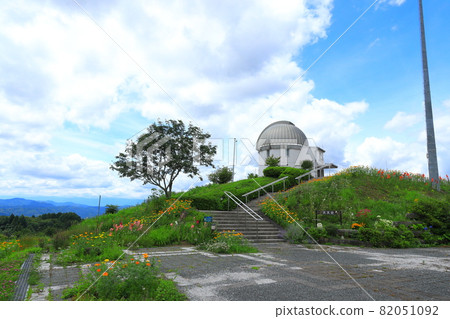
(285, 140)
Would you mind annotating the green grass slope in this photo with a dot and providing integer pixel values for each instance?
(370, 199)
(212, 197)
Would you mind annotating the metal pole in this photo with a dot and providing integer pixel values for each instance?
(98, 210)
(234, 151)
(433, 170)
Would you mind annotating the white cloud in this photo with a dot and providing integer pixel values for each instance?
(401, 121)
(393, 2)
(388, 154)
(223, 63)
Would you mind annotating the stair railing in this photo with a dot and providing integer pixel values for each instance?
(283, 179)
(298, 178)
(246, 209)
(242, 205)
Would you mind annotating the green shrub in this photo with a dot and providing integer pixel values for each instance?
(307, 165)
(292, 173)
(317, 233)
(272, 161)
(61, 239)
(222, 175)
(392, 237)
(111, 209)
(332, 229)
(127, 279)
(227, 242)
(295, 234)
(273, 171)
(252, 175)
(167, 291)
(435, 213)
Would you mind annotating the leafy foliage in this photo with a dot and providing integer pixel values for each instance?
(252, 175)
(273, 171)
(128, 279)
(222, 175)
(374, 202)
(228, 242)
(111, 209)
(272, 161)
(165, 151)
(433, 212)
(48, 224)
(307, 165)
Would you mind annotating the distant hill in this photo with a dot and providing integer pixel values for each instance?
(27, 207)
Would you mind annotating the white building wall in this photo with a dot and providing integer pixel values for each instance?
(294, 158)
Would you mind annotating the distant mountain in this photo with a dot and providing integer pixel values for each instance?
(66, 204)
(27, 207)
(13, 202)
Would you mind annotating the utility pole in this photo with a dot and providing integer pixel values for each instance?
(234, 152)
(433, 170)
(98, 211)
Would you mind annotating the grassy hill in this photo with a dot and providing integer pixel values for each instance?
(211, 197)
(377, 203)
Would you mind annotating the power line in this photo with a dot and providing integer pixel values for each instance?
(315, 61)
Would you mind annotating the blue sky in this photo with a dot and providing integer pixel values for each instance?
(79, 80)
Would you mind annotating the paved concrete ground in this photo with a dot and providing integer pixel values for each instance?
(295, 272)
(53, 279)
(291, 272)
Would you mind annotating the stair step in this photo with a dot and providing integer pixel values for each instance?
(257, 231)
(267, 240)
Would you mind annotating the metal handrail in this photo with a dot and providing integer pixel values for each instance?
(241, 204)
(264, 186)
(313, 170)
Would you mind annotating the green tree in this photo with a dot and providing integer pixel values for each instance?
(222, 175)
(252, 175)
(111, 209)
(307, 164)
(272, 161)
(165, 151)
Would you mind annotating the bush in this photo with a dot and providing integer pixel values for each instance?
(317, 233)
(307, 165)
(279, 172)
(222, 175)
(61, 239)
(435, 213)
(332, 230)
(391, 237)
(252, 175)
(273, 171)
(272, 161)
(128, 279)
(292, 173)
(111, 209)
(228, 242)
(295, 234)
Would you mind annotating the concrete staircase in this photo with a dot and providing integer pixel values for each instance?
(260, 231)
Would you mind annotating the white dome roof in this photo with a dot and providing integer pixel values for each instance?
(281, 132)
